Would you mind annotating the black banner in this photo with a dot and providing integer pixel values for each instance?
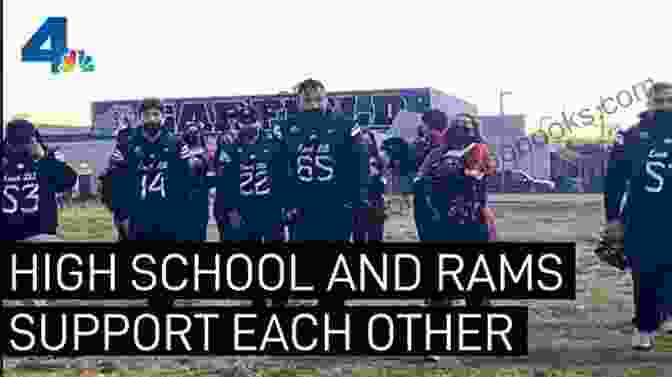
(542, 271)
(362, 331)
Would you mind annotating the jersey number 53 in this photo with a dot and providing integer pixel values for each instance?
(24, 199)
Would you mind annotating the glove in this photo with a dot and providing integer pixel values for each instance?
(293, 215)
(104, 190)
(610, 248)
(377, 215)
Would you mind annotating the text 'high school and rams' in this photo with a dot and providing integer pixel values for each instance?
(211, 275)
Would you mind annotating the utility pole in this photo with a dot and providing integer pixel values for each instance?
(501, 100)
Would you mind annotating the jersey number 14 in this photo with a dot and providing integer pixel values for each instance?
(154, 185)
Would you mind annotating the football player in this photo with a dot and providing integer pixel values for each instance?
(638, 168)
(31, 177)
(430, 136)
(455, 191)
(112, 182)
(199, 194)
(328, 168)
(157, 166)
(370, 222)
(251, 175)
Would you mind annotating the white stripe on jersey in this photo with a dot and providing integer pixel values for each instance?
(185, 152)
(355, 131)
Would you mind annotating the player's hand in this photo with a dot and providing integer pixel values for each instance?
(235, 219)
(293, 215)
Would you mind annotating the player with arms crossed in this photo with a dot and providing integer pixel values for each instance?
(251, 174)
(31, 177)
(157, 165)
(328, 168)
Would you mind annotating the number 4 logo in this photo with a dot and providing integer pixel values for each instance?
(54, 30)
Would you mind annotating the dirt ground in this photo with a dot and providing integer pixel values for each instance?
(592, 332)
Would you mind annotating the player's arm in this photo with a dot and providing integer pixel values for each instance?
(197, 168)
(227, 177)
(619, 169)
(423, 183)
(357, 154)
(280, 178)
(187, 165)
(64, 176)
(119, 180)
(290, 202)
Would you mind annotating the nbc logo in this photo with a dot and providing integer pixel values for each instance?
(49, 45)
(74, 59)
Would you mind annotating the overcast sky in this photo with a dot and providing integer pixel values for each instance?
(550, 54)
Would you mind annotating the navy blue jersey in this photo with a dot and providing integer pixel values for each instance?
(650, 196)
(620, 167)
(328, 166)
(157, 177)
(250, 175)
(29, 189)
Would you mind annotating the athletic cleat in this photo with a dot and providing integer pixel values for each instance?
(642, 341)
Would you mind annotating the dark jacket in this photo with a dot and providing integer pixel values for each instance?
(620, 166)
(649, 197)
